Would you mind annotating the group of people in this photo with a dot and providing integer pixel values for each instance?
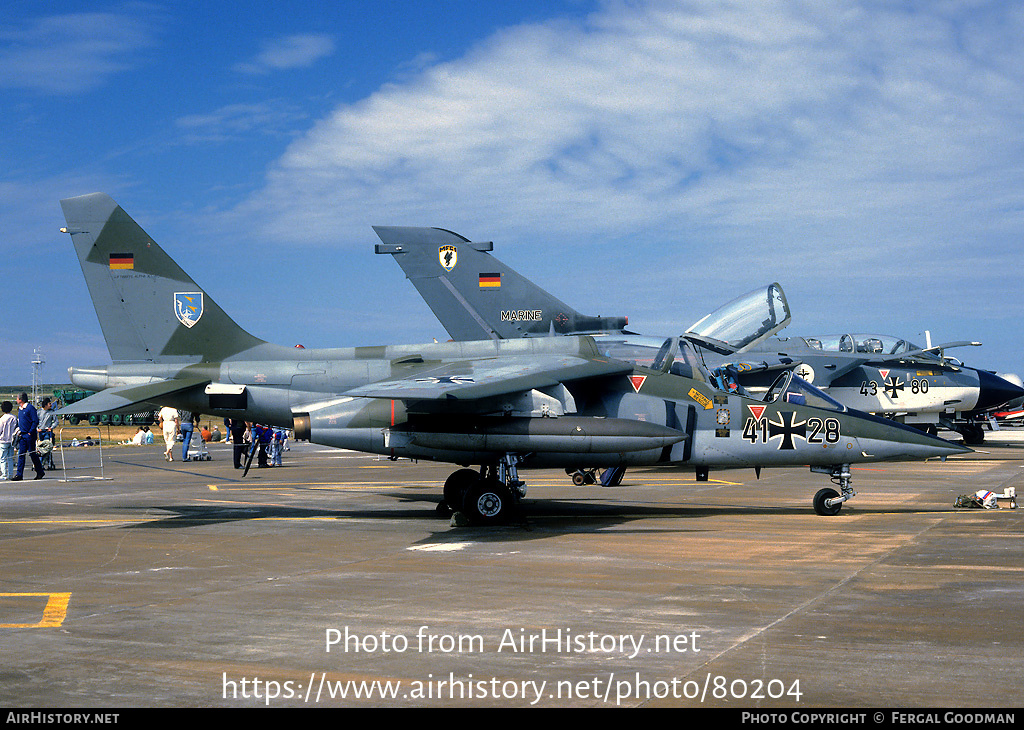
(270, 442)
(142, 437)
(31, 433)
(26, 432)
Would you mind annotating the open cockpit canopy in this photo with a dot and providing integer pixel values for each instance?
(743, 322)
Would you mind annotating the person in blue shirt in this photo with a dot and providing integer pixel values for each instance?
(277, 447)
(28, 424)
(264, 435)
(185, 425)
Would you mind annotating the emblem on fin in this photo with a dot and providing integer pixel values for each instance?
(188, 307)
(447, 256)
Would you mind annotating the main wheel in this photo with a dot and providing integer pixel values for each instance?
(819, 502)
(974, 435)
(487, 502)
(456, 486)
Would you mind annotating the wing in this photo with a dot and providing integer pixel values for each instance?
(113, 399)
(489, 377)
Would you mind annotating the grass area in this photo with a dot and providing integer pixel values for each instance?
(114, 435)
(10, 392)
(109, 434)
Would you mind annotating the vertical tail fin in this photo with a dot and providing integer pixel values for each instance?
(474, 295)
(148, 308)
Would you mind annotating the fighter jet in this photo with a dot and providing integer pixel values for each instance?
(475, 295)
(497, 405)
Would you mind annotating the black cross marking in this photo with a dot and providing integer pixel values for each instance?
(787, 430)
(447, 379)
(892, 385)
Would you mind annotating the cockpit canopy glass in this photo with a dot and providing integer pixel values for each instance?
(867, 344)
(657, 353)
(636, 349)
(744, 321)
(791, 388)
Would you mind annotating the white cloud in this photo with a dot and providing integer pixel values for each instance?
(865, 149)
(290, 52)
(274, 117)
(68, 54)
(845, 124)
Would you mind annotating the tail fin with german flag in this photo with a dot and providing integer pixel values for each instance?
(149, 309)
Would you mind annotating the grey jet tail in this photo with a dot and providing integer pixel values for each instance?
(476, 296)
(142, 297)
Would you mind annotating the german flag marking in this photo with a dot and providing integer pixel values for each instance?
(122, 261)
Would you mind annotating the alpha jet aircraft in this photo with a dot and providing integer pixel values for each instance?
(475, 295)
(884, 374)
(495, 404)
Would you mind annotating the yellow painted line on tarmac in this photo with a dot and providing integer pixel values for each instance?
(70, 522)
(53, 614)
(433, 485)
(331, 485)
(638, 483)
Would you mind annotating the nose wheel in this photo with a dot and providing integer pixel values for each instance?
(827, 501)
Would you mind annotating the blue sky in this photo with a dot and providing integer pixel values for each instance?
(649, 159)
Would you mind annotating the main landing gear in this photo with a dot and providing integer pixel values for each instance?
(487, 497)
(827, 501)
(973, 433)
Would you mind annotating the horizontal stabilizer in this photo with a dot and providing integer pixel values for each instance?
(937, 349)
(115, 399)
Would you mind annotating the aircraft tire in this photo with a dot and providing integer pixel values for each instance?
(819, 502)
(456, 486)
(974, 435)
(488, 503)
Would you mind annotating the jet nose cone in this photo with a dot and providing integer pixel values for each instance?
(892, 441)
(994, 391)
(950, 448)
(929, 447)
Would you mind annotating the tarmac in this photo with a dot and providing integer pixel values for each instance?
(329, 581)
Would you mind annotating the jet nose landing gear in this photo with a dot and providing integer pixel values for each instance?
(828, 502)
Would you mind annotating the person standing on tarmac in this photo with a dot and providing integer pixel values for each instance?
(28, 424)
(185, 425)
(8, 425)
(237, 428)
(169, 423)
(48, 421)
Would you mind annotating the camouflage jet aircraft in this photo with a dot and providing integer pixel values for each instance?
(495, 404)
(475, 295)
